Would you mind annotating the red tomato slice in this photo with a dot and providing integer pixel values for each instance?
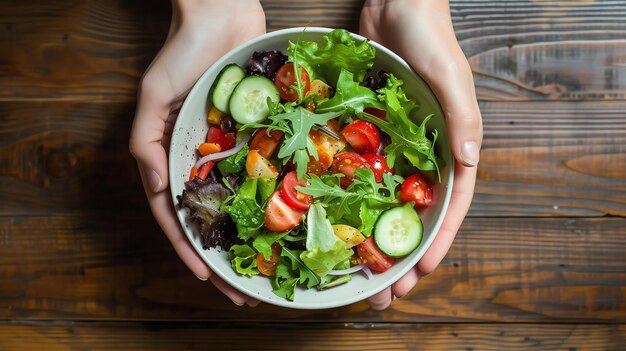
(417, 188)
(362, 136)
(382, 114)
(293, 197)
(264, 144)
(279, 216)
(286, 77)
(347, 163)
(378, 164)
(268, 266)
(226, 141)
(372, 257)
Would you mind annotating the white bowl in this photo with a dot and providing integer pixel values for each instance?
(190, 130)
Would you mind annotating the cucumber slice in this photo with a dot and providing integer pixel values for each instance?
(224, 84)
(248, 104)
(398, 231)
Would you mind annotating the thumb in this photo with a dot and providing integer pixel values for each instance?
(145, 141)
(453, 84)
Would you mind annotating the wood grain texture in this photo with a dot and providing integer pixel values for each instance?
(540, 159)
(552, 159)
(118, 266)
(134, 336)
(519, 50)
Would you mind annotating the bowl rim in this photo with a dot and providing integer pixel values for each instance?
(298, 304)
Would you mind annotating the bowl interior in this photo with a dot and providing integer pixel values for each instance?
(190, 130)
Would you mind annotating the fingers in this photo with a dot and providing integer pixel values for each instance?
(462, 193)
(381, 300)
(406, 283)
(163, 211)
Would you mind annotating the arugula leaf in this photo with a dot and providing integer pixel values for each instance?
(296, 125)
(407, 138)
(350, 96)
(290, 272)
(234, 163)
(361, 203)
(243, 260)
(245, 211)
(339, 51)
(306, 276)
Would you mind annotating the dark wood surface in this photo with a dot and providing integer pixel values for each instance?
(540, 263)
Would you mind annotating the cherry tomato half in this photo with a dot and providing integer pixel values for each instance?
(372, 257)
(264, 144)
(226, 141)
(286, 77)
(417, 188)
(293, 197)
(378, 164)
(362, 136)
(321, 165)
(279, 216)
(347, 163)
(382, 114)
(268, 266)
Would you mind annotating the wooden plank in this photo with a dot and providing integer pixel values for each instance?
(519, 50)
(117, 266)
(552, 159)
(539, 159)
(135, 336)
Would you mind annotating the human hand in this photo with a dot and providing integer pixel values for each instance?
(421, 32)
(200, 33)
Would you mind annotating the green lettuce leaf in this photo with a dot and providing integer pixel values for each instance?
(234, 164)
(322, 262)
(243, 260)
(339, 51)
(350, 96)
(324, 249)
(329, 281)
(263, 242)
(245, 211)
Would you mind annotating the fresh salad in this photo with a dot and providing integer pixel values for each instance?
(312, 170)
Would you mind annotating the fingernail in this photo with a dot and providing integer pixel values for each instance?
(155, 181)
(470, 153)
(203, 279)
(239, 303)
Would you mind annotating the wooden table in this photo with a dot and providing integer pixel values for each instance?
(539, 264)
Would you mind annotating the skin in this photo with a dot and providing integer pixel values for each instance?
(191, 47)
(421, 32)
(418, 30)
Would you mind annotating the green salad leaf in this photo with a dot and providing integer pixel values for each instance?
(361, 203)
(291, 272)
(324, 249)
(339, 51)
(330, 281)
(350, 96)
(244, 209)
(407, 139)
(234, 164)
(263, 242)
(243, 260)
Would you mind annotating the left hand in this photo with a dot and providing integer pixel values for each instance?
(421, 32)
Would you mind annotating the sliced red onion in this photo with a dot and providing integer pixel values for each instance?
(223, 154)
(351, 270)
(367, 272)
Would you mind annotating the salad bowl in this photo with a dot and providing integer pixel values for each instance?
(191, 129)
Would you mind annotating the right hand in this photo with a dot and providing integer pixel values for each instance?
(200, 33)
